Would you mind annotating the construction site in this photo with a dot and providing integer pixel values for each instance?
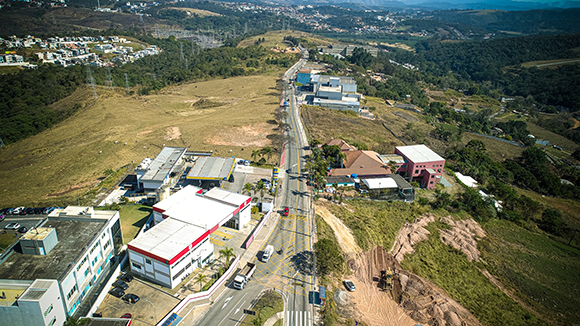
(387, 294)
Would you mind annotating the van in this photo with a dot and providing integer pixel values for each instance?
(267, 253)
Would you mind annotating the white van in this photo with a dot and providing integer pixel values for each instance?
(267, 253)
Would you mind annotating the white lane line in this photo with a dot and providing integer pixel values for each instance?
(226, 316)
(227, 301)
(240, 307)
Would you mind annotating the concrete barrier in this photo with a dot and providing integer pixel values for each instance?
(202, 295)
(257, 229)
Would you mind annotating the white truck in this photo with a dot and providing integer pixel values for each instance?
(244, 276)
(267, 253)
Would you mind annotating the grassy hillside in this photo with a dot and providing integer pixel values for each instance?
(276, 38)
(59, 164)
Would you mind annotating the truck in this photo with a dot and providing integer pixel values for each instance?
(267, 253)
(244, 276)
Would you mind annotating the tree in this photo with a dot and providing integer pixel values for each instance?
(551, 221)
(200, 278)
(267, 151)
(255, 154)
(247, 188)
(477, 145)
(228, 253)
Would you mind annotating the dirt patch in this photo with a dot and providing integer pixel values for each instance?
(72, 188)
(462, 236)
(254, 135)
(172, 133)
(411, 300)
(341, 231)
(399, 46)
(409, 235)
(145, 132)
(375, 306)
(405, 116)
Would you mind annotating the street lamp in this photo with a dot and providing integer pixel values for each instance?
(154, 310)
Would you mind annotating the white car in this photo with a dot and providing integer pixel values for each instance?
(12, 226)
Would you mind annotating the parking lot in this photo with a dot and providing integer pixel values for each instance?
(152, 306)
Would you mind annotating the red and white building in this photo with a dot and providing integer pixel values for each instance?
(180, 240)
(421, 164)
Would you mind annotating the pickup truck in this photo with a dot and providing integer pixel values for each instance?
(244, 276)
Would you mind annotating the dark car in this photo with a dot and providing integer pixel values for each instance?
(39, 210)
(30, 210)
(286, 211)
(48, 210)
(117, 292)
(127, 316)
(23, 229)
(23, 211)
(349, 285)
(121, 284)
(131, 298)
(125, 277)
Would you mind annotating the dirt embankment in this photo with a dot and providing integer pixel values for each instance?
(462, 236)
(409, 235)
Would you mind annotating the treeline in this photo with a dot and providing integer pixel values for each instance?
(25, 97)
(530, 171)
(496, 63)
(528, 22)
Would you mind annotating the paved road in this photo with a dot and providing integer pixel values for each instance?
(290, 268)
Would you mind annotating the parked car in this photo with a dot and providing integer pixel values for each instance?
(39, 210)
(22, 211)
(131, 298)
(127, 316)
(349, 285)
(9, 211)
(22, 229)
(17, 210)
(286, 211)
(12, 226)
(121, 284)
(48, 210)
(125, 277)
(2, 217)
(117, 292)
(30, 210)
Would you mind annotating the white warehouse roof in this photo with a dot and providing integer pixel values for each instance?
(168, 238)
(164, 163)
(466, 180)
(419, 153)
(380, 183)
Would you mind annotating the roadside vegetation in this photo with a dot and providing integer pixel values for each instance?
(267, 306)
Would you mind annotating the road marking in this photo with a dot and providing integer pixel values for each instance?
(227, 301)
(240, 307)
(226, 316)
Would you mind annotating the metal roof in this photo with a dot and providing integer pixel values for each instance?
(419, 154)
(164, 163)
(212, 168)
(168, 238)
(386, 158)
(380, 183)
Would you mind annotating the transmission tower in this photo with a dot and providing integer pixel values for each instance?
(109, 78)
(91, 81)
(1, 143)
(127, 82)
(186, 64)
(246, 28)
(180, 43)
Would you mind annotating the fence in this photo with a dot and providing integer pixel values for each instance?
(257, 229)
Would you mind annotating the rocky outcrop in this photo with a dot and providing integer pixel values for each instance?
(411, 234)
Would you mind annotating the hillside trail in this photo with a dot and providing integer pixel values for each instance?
(374, 306)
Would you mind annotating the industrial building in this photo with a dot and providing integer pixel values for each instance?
(341, 50)
(55, 268)
(421, 164)
(333, 92)
(303, 76)
(153, 174)
(180, 240)
(211, 170)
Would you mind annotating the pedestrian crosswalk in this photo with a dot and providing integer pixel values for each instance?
(298, 318)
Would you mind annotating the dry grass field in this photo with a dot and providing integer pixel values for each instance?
(276, 38)
(551, 64)
(197, 12)
(229, 116)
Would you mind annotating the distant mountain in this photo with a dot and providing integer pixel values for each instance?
(441, 5)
